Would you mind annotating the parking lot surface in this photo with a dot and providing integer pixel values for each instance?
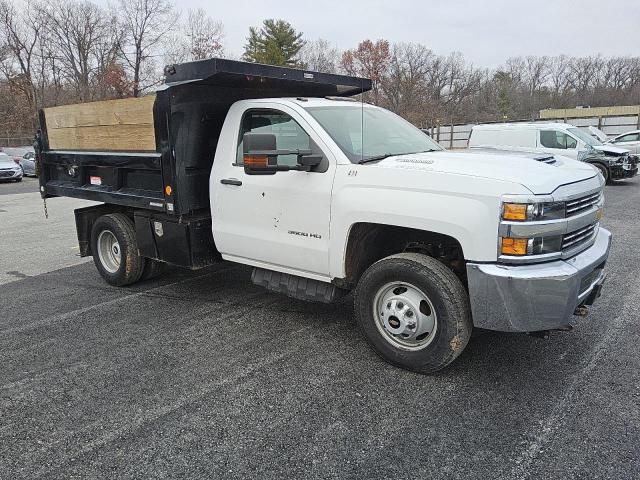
(203, 375)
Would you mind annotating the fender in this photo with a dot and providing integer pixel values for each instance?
(465, 208)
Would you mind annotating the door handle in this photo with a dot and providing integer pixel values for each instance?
(231, 181)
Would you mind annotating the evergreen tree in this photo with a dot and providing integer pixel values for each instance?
(276, 43)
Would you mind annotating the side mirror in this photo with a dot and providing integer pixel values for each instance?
(260, 155)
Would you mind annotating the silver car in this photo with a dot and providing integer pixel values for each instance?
(628, 140)
(28, 164)
(9, 169)
(25, 156)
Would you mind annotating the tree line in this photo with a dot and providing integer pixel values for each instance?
(68, 51)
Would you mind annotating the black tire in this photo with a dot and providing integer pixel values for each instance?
(603, 170)
(18, 179)
(444, 290)
(152, 269)
(131, 264)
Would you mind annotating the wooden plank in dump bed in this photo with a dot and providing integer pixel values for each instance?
(110, 125)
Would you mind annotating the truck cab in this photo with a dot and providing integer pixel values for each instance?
(322, 195)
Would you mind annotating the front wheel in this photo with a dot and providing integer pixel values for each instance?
(115, 250)
(414, 312)
(603, 170)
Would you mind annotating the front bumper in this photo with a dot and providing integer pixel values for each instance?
(620, 171)
(10, 174)
(530, 298)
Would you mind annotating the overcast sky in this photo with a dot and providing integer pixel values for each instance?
(485, 31)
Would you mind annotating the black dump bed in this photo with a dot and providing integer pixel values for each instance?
(128, 152)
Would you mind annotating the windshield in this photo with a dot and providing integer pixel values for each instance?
(585, 137)
(385, 133)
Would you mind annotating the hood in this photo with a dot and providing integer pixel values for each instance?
(610, 150)
(7, 162)
(537, 176)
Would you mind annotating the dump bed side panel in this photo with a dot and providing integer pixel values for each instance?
(124, 125)
(102, 151)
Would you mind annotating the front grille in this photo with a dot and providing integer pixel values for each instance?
(574, 207)
(6, 173)
(578, 238)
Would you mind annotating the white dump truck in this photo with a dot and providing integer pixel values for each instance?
(322, 195)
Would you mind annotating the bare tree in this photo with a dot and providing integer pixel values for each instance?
(320, 56)
(145, 24)
(78, 31)
(559, 68)
(21, 32)
(204, 36)
(536, 73)
(405, 83)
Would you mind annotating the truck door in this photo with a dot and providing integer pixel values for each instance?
(280, 220)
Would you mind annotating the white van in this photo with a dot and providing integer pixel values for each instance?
(554, 138)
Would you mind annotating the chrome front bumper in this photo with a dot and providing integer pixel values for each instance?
(529, 298)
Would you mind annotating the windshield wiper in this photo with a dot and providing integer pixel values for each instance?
(387, 155)
(376, 158)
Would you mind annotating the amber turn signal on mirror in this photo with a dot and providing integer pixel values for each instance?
(256, 161)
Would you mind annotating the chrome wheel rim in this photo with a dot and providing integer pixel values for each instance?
(109, 251)
(405, 316)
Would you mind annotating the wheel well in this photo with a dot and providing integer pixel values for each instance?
(86, 217)
(601, 163)
(370, 242)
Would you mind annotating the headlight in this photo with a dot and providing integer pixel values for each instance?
(531, 212)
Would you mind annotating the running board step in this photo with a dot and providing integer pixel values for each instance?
(296, 287)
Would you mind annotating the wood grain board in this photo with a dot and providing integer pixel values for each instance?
(111, 125)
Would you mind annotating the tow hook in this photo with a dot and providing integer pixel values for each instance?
(581, 311)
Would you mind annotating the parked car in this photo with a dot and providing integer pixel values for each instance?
(25, 157)
(9, 170)
(558, 139)
(28, 164)
(629, 140)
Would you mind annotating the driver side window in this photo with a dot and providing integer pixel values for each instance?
(557, 139)
(289, 134)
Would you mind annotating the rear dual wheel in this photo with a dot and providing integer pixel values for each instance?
(414, 312)
(116, 254)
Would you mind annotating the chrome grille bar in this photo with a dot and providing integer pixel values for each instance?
(580, 204)
(573, 239)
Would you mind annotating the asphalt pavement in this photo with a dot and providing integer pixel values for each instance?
(27, 185)
(203, 375)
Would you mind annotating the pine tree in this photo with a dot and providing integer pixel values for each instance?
(276, 43)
